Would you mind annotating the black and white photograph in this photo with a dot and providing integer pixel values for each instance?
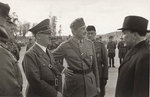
(74, 48)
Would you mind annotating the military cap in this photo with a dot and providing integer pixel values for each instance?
(77, 23)
(42, 27)
(135, 23)
(90, 28)
(4, 10)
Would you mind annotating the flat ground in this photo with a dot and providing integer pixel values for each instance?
(111, 84)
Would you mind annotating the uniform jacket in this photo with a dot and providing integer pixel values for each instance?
(74, 85)
(37, 67)
(133, 78)
(111, 46)
(122, 49)
(102, 59)
(10, 75)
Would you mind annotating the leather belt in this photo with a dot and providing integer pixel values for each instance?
(81, 71)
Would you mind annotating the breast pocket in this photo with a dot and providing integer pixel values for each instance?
(45, 71)
(89, 51)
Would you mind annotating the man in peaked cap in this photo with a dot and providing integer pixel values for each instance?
(10, 75)
(81, 74)
(133, 77)
(39, 65)
(102, 60)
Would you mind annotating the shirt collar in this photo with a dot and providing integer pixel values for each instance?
(42, 47)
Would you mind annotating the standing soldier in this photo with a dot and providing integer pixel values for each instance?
(81, 75)
(122, 49)
(39, 65)
(102, 60)
(10, 75)
(30, 44)
(133, 77)
(111, 46)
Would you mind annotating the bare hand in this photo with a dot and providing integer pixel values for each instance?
(59, 94)
(67, 72)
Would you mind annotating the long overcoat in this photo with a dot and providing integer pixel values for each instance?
(37, 66)
(10, 75)
(133, 78)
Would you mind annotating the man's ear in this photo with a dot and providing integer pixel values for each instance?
(37, 36)
(73, 31)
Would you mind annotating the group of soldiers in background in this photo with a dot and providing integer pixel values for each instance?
(86, 73)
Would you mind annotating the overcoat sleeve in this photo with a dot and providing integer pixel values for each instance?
(58, 52)
(141, 77)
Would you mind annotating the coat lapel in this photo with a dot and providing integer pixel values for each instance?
(75, 45)
(40, 52)
(128, 56)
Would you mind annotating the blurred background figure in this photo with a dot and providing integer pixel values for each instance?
(111, 46)
(122, 47)
(30, 44)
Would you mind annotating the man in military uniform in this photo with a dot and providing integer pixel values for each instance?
(102, 60)
(133, 77)
(81, 74)
(39, 65)
(10, 75)
(122, 50)
(111, 46)
(30, 44)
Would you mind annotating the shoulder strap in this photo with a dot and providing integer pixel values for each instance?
(77, 52)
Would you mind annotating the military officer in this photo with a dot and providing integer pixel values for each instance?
(133, 77)
(111, 46)
(122, 49)
(39, 65)
(102, 60)
(79, 53)
(10, 75)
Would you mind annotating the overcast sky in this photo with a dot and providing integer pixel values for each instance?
(106, 15)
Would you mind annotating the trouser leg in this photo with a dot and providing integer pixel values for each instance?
(102, 88)
(109, 62)
(113, 62)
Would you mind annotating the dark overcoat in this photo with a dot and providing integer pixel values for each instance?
(41, 78)
(10, 75)
(133, 77)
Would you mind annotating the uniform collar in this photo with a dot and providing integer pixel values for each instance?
(42, 47)
(77, 40)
